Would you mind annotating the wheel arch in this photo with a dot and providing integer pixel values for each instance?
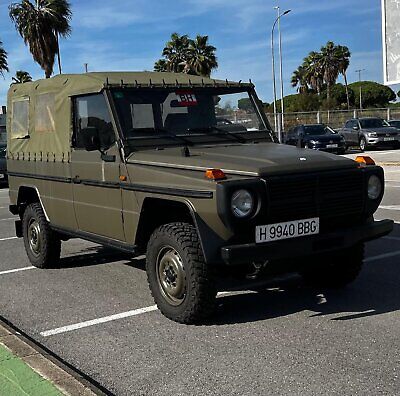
(28, 194)
(158, 211)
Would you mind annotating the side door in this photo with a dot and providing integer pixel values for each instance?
(355, 132)
(96, 174)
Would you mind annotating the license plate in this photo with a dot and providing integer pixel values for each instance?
(291, 229)
(388, 139)
(332, 146)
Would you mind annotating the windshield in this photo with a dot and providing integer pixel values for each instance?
(314, 130)
(187, 116)
(395, 124)
(373, 123)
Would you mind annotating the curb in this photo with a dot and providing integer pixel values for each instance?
(65, 378)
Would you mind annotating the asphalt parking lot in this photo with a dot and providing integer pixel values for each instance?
(96, 313)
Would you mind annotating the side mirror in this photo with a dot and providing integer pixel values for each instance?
(90, 138)
(356, 128)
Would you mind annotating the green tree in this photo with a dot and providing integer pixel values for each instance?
(245, 104)
(343, 57)
(184, 55)
(175, 53)
(161, 65)
(21, 77)
(299, 79)
(373, 94)
(3, 60)
(200, 57)
(329, 65)
(40, 26)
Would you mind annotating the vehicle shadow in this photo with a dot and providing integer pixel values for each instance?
(91, 256)
(375, 292)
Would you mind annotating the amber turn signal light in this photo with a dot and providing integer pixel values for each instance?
(365, 160)
(215, 174)
(123, 178)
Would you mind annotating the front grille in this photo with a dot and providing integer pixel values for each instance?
(331, 196)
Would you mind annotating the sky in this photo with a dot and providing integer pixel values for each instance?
(130, 35)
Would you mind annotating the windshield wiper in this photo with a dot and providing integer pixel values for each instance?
(183, 140)
(208, 131)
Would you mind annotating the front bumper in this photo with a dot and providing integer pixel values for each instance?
(380, 141)
(305, 246)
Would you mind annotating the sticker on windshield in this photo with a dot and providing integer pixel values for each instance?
(186, 98)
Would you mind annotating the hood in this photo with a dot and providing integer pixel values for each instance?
(382, 131)
(322, 138)
(243, 159)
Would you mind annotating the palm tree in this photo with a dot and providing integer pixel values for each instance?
(201, 59)
(161, 65)
(343, 57)
(3, 60)
(175, 53)
(299, 80)
(313, 71)
(329, 65)
(21, 77)
(40, 25)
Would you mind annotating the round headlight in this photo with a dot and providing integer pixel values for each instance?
(242, 203)
(374, 187)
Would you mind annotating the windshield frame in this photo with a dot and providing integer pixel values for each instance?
(163, 140)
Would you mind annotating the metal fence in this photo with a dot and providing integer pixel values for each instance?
(335, 119)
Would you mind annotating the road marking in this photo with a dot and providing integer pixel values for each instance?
(76, 326)
(8, 239)
(382, 256)
(390, 207)
(16, 270)
(122, 315)
(9, 219)
(392, 238)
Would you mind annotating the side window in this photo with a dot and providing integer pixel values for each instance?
(92, 117)
(20, 119)
(44, 113)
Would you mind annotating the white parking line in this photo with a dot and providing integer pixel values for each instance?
(9, 219)
(392, 238)
(7, 239)
(390, 207)
(16, 270)
(94, 322)
(382, 256)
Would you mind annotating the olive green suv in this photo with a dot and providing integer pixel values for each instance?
(140, 162)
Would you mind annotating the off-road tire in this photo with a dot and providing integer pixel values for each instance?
(198, 301)
(363, 144)
(334, 270)
(48, 255)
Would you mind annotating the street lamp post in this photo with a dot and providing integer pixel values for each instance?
(278, 121)
(359, 79)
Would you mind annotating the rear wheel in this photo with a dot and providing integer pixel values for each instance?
(336, 270)
(179, 278)
(42, 245)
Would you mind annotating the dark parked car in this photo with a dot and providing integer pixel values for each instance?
(370, 132)
(394, 124)
(3, 165)
(229, 126)
(316, 137)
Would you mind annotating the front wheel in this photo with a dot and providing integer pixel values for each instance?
(42, 245)
(179, 278)
(363, 144)
(335, 270)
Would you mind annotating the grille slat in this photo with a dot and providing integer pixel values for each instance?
(326, 195)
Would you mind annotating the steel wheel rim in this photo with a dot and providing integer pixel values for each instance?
(171, 276)
(34, 237)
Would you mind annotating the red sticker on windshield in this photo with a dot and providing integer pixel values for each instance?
(186, 98)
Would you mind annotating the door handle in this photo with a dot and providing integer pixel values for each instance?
(108, 158)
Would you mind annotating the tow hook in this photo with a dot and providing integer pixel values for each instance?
(257, 268)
